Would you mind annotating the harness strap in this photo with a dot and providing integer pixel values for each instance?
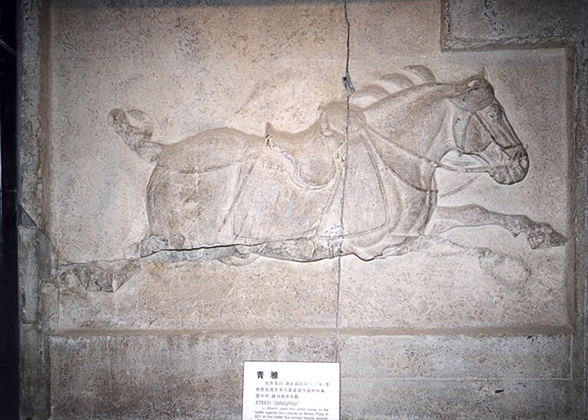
(434, 164)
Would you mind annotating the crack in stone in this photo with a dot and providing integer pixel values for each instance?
(347, 78)
(350, 90)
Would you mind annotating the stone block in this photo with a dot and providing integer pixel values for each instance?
(36, 261)
(497, 23)
(34, 50)
(476, 226)
(447, 287)
(36, 371)
(163, 376)
(456, 357)
(483, 273)
(28, 272)
(456, 399)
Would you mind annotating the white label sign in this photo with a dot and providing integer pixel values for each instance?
(291, 391)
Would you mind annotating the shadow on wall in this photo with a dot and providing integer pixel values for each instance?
(91, 4)
(9, 298)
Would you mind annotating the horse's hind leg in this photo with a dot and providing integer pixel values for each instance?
(103, 276)
(109, 276)
(538, 234)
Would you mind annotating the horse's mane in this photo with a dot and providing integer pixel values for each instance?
(413, 80)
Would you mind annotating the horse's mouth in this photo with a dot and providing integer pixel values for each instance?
(508, 175)
(502, 177)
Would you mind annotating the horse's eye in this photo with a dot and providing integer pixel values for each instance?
(493, 113)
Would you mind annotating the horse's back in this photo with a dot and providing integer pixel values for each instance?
(209, 150)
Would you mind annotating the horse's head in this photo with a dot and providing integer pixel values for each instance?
(482, 129)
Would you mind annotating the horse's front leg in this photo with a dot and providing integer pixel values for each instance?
(538, 234)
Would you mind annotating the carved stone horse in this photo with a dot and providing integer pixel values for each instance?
(360, 180)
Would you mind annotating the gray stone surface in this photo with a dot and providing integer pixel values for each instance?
(270, 196)
(468, 26)
(124, 318)
(499, 23)
(129, 377)
(267, 294)
(415, 291)
(38, 306)
(188, 68)
(34, 120)
(36, 373)
(165, 376)
(453, 357)
(457, 399)
(28, 273)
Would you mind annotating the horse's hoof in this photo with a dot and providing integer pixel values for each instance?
(117, 117)
(543, 235)
(104, 277)
(151, 245)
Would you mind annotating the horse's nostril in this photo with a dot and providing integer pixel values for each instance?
(524, 162)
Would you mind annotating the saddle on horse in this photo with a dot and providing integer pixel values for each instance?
(312, 153)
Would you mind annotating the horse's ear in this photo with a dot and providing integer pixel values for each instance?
(480, 78)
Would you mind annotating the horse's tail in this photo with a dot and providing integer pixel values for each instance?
(135, 128)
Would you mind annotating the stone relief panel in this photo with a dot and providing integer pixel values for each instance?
(418, 197)
(360, 180)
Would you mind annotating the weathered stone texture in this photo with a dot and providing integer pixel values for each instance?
(452, 357)
(34, 48)
(190, 69)
(139, 302)
(501, 23)
(36, 371)
(414, 291)
(187, 376)
(38, 294)
(268, 294)
(179, 377)
(29, 273)
(457, 399)
(519, 287)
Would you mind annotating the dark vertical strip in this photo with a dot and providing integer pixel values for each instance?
(9, 303)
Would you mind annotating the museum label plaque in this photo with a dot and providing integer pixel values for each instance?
(291, 390)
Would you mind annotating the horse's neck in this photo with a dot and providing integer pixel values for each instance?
(413, 133)
(413, 118)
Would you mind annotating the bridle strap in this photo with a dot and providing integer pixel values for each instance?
(430, 162)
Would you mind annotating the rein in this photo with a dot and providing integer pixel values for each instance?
(431, 162)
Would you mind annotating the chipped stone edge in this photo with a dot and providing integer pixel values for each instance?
(37, 291)
(34, 121)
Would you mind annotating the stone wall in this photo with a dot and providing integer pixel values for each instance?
(425, 227)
